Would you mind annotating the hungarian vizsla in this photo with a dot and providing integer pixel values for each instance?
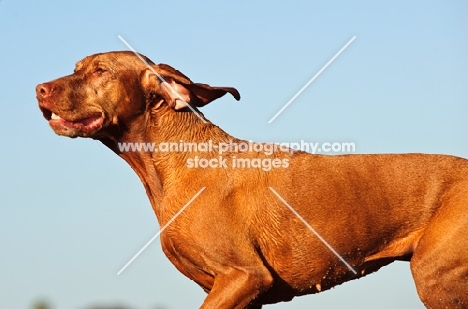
(248, 238)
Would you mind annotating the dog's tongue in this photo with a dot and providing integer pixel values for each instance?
(85, 124)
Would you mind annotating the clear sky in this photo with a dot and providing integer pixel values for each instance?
(72, 213)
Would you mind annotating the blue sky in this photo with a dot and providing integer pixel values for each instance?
(72, 213)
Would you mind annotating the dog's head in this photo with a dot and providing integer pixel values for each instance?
(108, 92)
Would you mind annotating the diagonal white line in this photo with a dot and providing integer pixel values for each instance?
(311, 80)
(161, 230)
(315, 232)
(161, 78)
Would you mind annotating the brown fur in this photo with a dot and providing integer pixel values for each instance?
(237, 240)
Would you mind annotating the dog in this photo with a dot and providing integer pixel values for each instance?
(247, 239)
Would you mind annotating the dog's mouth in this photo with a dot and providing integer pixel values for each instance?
(80, 127)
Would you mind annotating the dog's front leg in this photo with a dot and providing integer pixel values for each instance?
(237, 287)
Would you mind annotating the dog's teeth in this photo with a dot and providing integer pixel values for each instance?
(54, 116)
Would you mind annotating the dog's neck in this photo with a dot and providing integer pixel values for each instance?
(166, 171)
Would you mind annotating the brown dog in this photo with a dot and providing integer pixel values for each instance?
(238, 239)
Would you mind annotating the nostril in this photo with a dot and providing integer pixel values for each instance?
(43, 90)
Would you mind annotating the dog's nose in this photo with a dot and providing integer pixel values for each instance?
(43, 90)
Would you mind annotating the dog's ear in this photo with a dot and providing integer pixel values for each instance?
(177, 89)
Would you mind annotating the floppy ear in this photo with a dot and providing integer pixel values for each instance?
(177, 89)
